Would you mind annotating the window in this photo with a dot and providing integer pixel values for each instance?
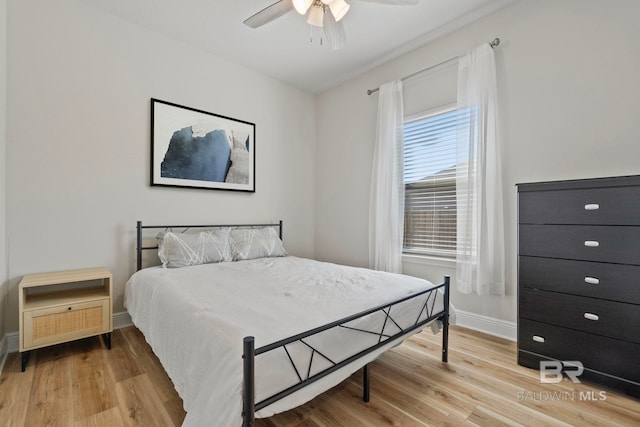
(430, 183)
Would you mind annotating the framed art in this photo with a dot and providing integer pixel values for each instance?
(197, 149)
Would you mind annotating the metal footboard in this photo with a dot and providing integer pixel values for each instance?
(250, 406)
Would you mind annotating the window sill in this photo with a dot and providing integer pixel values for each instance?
(429, 260)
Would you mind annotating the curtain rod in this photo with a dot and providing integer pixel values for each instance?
(493, 44)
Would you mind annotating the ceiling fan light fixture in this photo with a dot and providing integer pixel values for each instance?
(302, 6)
(316, 16)
(339, 8)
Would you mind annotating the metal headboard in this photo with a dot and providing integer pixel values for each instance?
(184, 228)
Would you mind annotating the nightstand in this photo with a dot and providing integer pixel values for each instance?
(64, 306)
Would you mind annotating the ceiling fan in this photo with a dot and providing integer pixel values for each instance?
(325, 14)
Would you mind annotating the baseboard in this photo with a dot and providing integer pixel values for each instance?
(4, 351)
(121, 320)
(12, 342)
(488, 325)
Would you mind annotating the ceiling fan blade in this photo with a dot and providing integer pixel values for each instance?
(269, 13)
(334, 32)
(394, 2)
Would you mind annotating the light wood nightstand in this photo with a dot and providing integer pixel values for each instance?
(64, 306)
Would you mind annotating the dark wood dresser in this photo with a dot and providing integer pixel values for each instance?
(579, 277)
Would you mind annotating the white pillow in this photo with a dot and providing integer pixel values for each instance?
(250, 243)
(185, 249)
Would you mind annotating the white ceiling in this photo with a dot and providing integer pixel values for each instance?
(375, 33)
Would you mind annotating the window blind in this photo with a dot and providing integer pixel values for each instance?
(430, 183)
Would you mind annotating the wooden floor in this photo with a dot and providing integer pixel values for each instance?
(83, 384)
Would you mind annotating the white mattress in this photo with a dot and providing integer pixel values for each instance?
(195, 319)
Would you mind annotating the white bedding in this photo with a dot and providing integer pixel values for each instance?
(195, 318)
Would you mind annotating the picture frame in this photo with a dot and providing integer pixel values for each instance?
(197, 149)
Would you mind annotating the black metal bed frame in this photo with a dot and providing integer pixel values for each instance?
(250, 406)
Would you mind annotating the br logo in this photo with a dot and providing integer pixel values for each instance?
(551, 371)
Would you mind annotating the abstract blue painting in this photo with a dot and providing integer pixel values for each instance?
(197, 149)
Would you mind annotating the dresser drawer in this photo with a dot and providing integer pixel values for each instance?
(613, 282)
(53, 325)
(598, 206)
(615, 357)
(612, 319)
(581, 242)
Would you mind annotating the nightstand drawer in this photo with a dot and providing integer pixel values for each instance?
(615, 357)
(581, 242)
(613, 282)
(600, 317)
(598, 206)
(63, 323)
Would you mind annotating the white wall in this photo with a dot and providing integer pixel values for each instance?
(78, 141)
(568, 89)
(3, 169)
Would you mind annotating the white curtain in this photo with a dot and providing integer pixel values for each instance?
(386, 210)
(480, 265)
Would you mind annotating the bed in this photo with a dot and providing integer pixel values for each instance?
(257, 331)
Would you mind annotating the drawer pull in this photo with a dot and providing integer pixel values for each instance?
(69, 308)
(592, 280)
(591, 207)
(538, 338)
(591, 243)
(591, 316)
